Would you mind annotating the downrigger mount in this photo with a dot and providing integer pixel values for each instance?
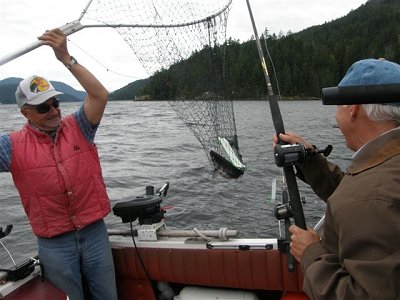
(146, 208)
(286, 156)
(18, 271)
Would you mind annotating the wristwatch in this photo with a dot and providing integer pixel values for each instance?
(72, 62)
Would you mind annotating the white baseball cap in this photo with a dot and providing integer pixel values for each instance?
(34, 90)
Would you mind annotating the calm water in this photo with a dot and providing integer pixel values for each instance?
(145, 143)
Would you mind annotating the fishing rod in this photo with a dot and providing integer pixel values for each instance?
(292, 206)
(289, 173)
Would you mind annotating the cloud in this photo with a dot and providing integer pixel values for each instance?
(285, 15)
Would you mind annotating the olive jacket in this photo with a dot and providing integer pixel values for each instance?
(359, 254)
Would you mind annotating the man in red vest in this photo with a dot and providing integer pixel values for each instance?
(56, 169)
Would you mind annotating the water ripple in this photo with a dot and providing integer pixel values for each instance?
(145, 143)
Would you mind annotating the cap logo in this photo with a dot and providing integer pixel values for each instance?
(38, 85)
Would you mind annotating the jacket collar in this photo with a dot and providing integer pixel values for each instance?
(41, 133)
(376, 152)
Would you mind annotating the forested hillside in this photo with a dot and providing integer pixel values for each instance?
(319, 56)
(304, 62)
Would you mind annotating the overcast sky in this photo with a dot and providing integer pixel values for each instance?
(105, 53)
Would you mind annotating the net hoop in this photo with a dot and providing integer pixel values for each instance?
(93, 13)
(194, 22)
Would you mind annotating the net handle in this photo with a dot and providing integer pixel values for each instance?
(76, 26)
(68, 29)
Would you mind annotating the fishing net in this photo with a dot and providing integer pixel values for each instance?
(182, 44)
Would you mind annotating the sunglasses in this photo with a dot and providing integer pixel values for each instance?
(46, 107)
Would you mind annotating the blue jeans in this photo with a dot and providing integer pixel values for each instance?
(67, 256)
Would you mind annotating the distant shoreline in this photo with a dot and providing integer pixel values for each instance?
(244, 99)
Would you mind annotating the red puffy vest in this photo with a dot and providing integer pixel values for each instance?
(61, 183)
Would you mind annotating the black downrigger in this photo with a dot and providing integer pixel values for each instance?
(147, 209)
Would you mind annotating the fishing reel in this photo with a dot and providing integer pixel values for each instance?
(283, 211)
(291, 154)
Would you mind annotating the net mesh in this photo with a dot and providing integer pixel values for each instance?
(161, 32)
(182, 44)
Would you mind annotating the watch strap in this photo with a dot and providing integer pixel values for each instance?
(72, 62)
